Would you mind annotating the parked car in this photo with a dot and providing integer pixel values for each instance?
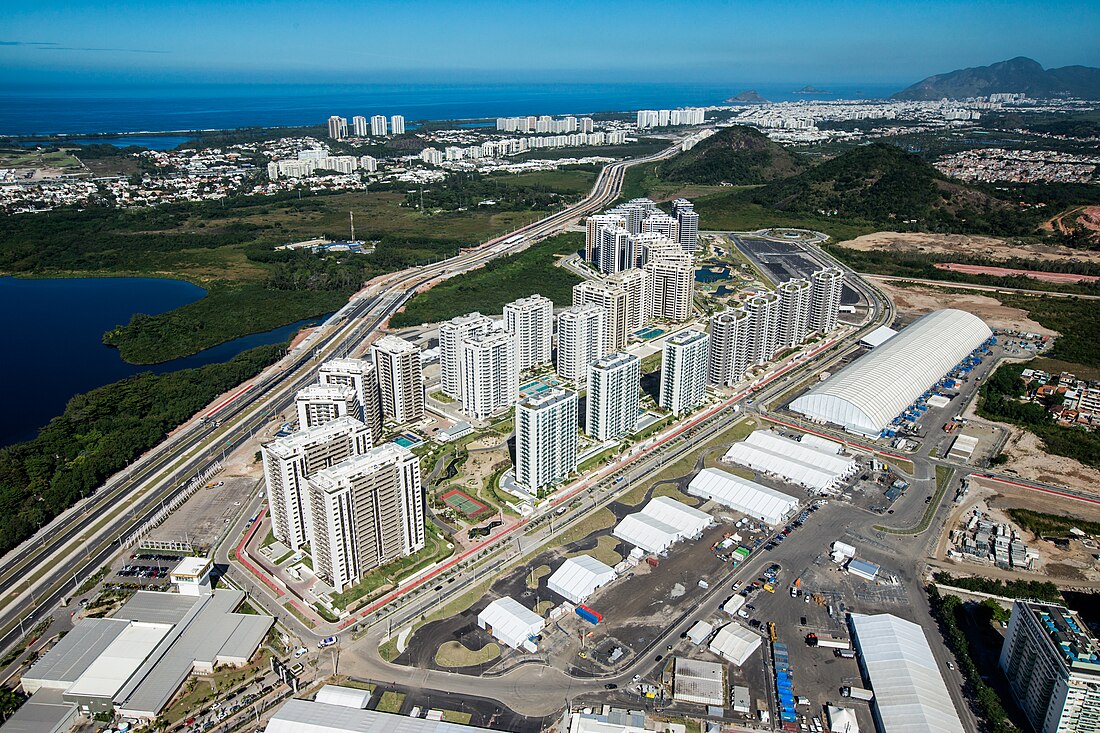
(327, 641)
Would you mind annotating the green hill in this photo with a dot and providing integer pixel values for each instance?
(736, 155)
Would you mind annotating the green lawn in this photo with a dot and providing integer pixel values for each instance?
(435, 549)
(505, 279)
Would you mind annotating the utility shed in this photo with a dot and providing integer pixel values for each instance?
(699, 682)
(700, 632)
(512, 623)
(863, 569)
(735, 642)
(578, 577)
(345, 697)
(747, 497)
(304, 716)
(910, 694)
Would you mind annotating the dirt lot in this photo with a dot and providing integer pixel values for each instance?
(1028, 459)
(918, 300)
(948, 245)
(1050, 277)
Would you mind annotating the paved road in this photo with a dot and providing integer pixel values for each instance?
(970, 286)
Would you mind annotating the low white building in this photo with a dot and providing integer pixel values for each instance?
(801, 463)
(192, 576)
(578, 577)
(661, 523)
(735, 643)
(747, 497)
(511, 623)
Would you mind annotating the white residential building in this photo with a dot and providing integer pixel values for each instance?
(490, 377)
(613, 300)
(397, 125)
(366, 511)
(337, 127)
(290, 460)
(400, 379)
(661, 223)
(431, 156)
(378, 125)
(684, 372)
(763, 310)
(729, 347)
(359, 375)
(580, 341)
(614, 249)
(828, 285)
(451, 335)
(633, 283)
(670, 285)
(592, 227)
(614, 383)
(546, 438)
(359, 126)
(687, 221)
(531, 321)
(795, 298)
(316, 404)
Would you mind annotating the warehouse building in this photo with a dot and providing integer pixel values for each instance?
(736, 643)
(747, 497)
(910, 694)
(661, 523)
(308, 716)
(578, 577)
(699, 682)
(512, 623)
(803, 463)
(865, 396)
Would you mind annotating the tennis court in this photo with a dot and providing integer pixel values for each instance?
(463, 503)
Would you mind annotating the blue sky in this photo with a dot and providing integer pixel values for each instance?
(349, 41)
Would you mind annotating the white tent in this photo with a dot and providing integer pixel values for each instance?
(816, 441)
(700, 632)
(642, 530)
(799, 463)
(578, 577)
(688, 521)
(512, 623)
(842, 720)
(345, 697)
(747, 497)
(735, 643)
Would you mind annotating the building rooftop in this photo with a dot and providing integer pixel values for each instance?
(686, 337)
(71, 656)
(303, 716)
(157, 608)
(44, 712)
(330, 478)
(325, 392)
(548, 398)
(346, 365)
(193, 567)
(608, 361)
(1079, 650)
(290, 444)
(393, 344)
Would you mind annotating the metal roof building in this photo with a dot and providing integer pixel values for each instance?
(304, 716)
(747, 497)
(699, 682)
(511, 622)
(805, 464)
(579, 577)
(70, 657)
(865, 396)
(735, 643)
(910, 694)
(44, 712)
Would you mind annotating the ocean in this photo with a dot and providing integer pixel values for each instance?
(84, 110)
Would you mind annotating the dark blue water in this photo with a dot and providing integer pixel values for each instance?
(42, 109)
(54, 348)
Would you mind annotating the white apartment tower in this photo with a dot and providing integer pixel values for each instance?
(651, 245)
(1053, 668)
(670, 284)
(613, 301)
(729, 347)
(397, 125)
(546, 438)
(592, 226)
(828, 285)
(490, 378)
(763, 310)
(360, 376)
(400, 379)
(531, 321)
(633, 283)
(290, 460)
(337, 127)
(378, 125)
(359, 126)
(684, 372)
(366, 511)
(614, 249)
(661, 223)
(451, 335)
(580, 341)
(795, 299)
(687, 221)
(316, 404)
(614, 382)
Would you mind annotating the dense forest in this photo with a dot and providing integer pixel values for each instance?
(736, 155)
(100, 433)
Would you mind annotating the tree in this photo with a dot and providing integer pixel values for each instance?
(9, 702)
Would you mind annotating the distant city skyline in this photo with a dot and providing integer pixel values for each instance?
(472, 42)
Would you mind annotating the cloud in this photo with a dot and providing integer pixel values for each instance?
(54, 46)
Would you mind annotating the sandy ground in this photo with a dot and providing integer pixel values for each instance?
(1051, 277)
(962, 244)
(1029, 460)
(1086, 216)
(918, 300)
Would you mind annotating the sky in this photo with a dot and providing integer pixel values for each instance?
(450, 41)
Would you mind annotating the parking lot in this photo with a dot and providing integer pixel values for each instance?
(204, 518)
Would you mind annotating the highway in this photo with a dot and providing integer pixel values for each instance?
(43, 570)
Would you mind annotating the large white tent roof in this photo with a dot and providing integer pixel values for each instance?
(346, 697)
(511, 621)
(687, 520)
(642, 530)
(869, 393)
(748, 497)
(735, 643)
(578, 577)
(910, 694)
(800, 463)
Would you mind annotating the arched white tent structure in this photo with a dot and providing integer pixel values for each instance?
(865, 396)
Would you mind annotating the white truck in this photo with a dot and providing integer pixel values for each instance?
(857, 693)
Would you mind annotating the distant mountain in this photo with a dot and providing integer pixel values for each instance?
(811, 89)
(737, 155)
(883, 184)
(1015, 75)
(747, 97)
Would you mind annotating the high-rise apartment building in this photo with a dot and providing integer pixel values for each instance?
(763, 310)
(614, 383)
(684, 372)
(633, 283)
(337, 127)
(795, 299)
(490, 377)
(729, 347)
(687, 222)
(451, 335)
(400, 379)
(670, 285)
(290, 460)
(316, 404)
(397, 125)
(359, 126)
(651, 245)
(366, 511)
(828, 284)
(531, 321)
(378, 125)
(580, 341)
(592, 226)
(636, 211)
(359, 375)
(614, 250)
(613, 301)
(1052, 663)
(546, 438)
(661, 223)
